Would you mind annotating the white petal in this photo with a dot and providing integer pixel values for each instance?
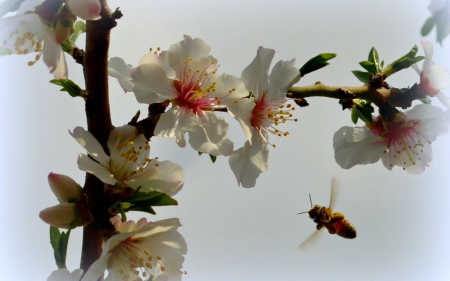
(64, 275)
(87, 164)
(97, 268)
(248, 162)
(91, 144)
(151, 84)
(229, 90)
(428, 49)
(188, 49)
(51, 51)
(439, 77)
(281, 79)
(113, 139)
(169, 188)
(211, 138)
(85, 9)
(444, 99)
(175, 123)
(119, 69)
(256, 75)
(436, 5)
(356, 146)
(162, 60)
(61, 70)
(244, 115)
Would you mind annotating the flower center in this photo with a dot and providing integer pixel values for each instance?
(131, 262)
(129, 158)
(267, 114)
(403, 140)
(193, 94)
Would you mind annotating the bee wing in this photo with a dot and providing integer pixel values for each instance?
(334, 192)
(311, 240)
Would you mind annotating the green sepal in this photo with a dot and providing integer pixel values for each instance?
(362, 76)
(80, 28)
(369, 66)
(143, 201)
(59, 241)
(69, 86)
(425, 100)
(212, 157)
(4, 52)
(362, 110)
(428, 26)
(373, 58)
(317, 62)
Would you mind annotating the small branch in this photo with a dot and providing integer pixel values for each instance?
(147, 126)
(397, 97)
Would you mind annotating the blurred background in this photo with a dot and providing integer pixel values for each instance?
(235, 233)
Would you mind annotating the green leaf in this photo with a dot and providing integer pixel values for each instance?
(405, 61)
(362, 76)
(59, 241)
(382, 64)
(69, 86)
(317, 62)
(143, 201)
(369, 66)
(373, 58)
(213, 158)
(428, 26)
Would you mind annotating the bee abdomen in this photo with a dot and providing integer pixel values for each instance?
(347, 230)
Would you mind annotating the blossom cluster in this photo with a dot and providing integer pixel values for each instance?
(186, 75)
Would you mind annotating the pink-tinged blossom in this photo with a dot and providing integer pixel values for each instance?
(186, 75)
(119, 69)
(64, 188)
(85, 9)
(261, 113)
(142, 251)
(129, 163)
(72, 210)
(404, 142)
(64, 275)
(433, 77)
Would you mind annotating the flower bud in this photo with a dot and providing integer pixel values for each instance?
(64, 188)
(85, 9)
(66, 215)
(63, 26)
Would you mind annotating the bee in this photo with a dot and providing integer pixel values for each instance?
(335, 223)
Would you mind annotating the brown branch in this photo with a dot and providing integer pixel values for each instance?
(98, 120)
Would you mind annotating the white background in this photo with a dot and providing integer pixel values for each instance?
(235, 233)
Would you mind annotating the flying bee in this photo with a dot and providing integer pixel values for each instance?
(335, 223)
